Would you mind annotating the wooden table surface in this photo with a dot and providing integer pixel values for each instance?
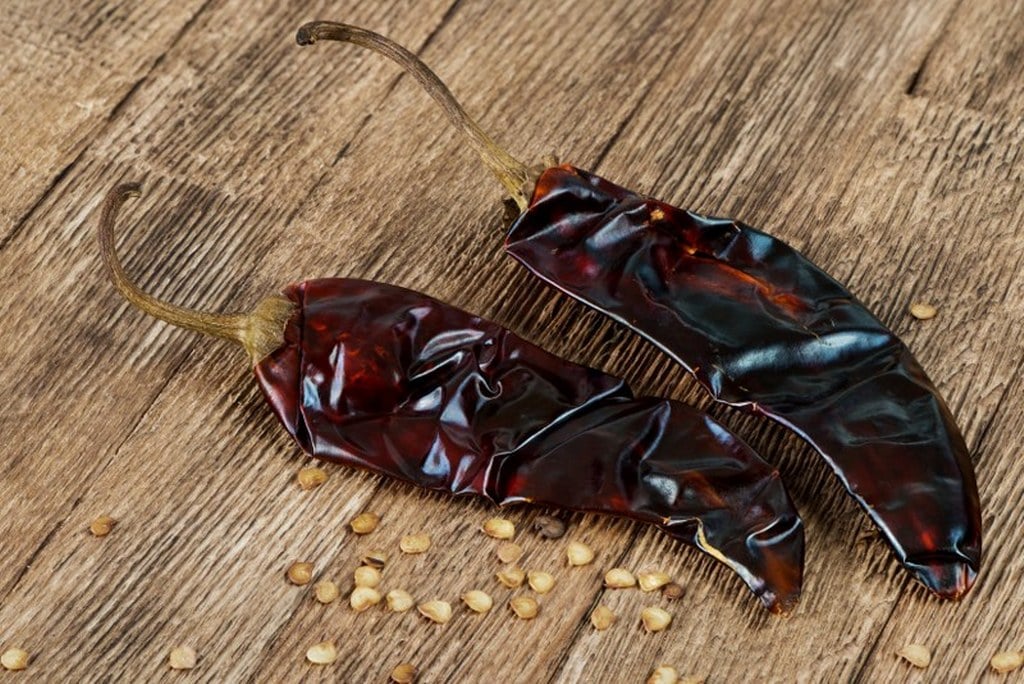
(884, 139)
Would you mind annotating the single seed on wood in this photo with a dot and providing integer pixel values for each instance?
(478, 601)
(619, 578)
(664, 674)
(101, 526)
(499, 528)
(300, 573)
(404, 674)
(922, 311)
(366, 576)
(540, 581)
(375, 559)
(649, 580)
(415, 543)
(602, 618)
(182, 658)
(512, 577)
(310, 478)
(436, 611)
(549, 527)
(524, 607)
(400, 600)
(916, 654)
(326, 591)
(509, 552)
(14, 659)
(579, 554)
(364, 523)
(323, 653)
(363, 597)
(673, 591)
(655, 619)
(1006, 661)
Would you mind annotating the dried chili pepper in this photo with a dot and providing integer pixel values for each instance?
(390, 380)
(757, 324)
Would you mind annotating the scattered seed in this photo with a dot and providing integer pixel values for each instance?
(922, 311)
(415, 543)
(366, 576)
(650, 580)
(602, 618)
(509, 552)
(549, 527)
(101, 526)
(664, 674)
(1007, 661)
(655, 619)
(619, 578)
(478, 601)
(182, 658)
(364, 523)
(326, 591)
(404, 674)
(375, 559)
(673, 591)
(579, 554)
(540, 581)
(916, 654)
(14, 659)
(512, 576)
(323, 653)
(310, 478)
(524, 607)
(300, 573)
(400, 600)
(499, 528)
(363, 598)
(436, 611)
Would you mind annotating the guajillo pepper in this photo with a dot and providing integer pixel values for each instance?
(390, 380)
(757, 324)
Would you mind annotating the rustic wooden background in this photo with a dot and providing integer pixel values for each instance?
(882, 138)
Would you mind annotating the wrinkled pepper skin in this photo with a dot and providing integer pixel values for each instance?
(390, 380)
(764, 329)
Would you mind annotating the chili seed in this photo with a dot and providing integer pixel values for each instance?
(14, 659)
(1006, 661)
(524, 607)
(655, 619)
(323, 653)
(375, 559)
(399, 600)
(182, 658)
(657, 215)
(916, 654)
(540, 581)
(478, 601)
(310, 478)
(404, 674)
(365, 576)
(619, 578)
(673, 591)
(300, 573)
(363, 598)
(415, 543)
(509, 552)
(101, 526)
(922, 311)
(364, 523)
(650, 580)
(512, 577)
(664, 674)
(602, 618)
(579, 554)
(549, 527)
(436, 611)
(499, 528)
(326, 591)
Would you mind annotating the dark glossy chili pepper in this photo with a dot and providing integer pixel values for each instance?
(757, 324)
(390, 380)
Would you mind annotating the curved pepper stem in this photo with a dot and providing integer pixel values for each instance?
(511, 172)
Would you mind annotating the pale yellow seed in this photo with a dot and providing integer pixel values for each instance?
(400, 600)
(922, 311)
(326, 591)
(182, 658)
(300, 573)
(651, 580)
(14, 659)
(664, 674)
(509, 552)
(323, 653)
(415, 543)
(436, 611)
(657, 214)
(365, 576)
(101, 526)
(579, 554)
(478, 601)
(404, 674)
(512, 577)
(363, 598)
(310, 478)
(524, 607)
(540, 581)
(1006, 661)
(499, 528)
(917, 655)
(602, 618)
(619, 578)
(655, 619)
(364, 523)
(375, 559)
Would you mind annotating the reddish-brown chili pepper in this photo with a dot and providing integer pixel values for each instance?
(390, 380)
(757, 324)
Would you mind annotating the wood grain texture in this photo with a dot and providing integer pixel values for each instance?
(884, 139)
